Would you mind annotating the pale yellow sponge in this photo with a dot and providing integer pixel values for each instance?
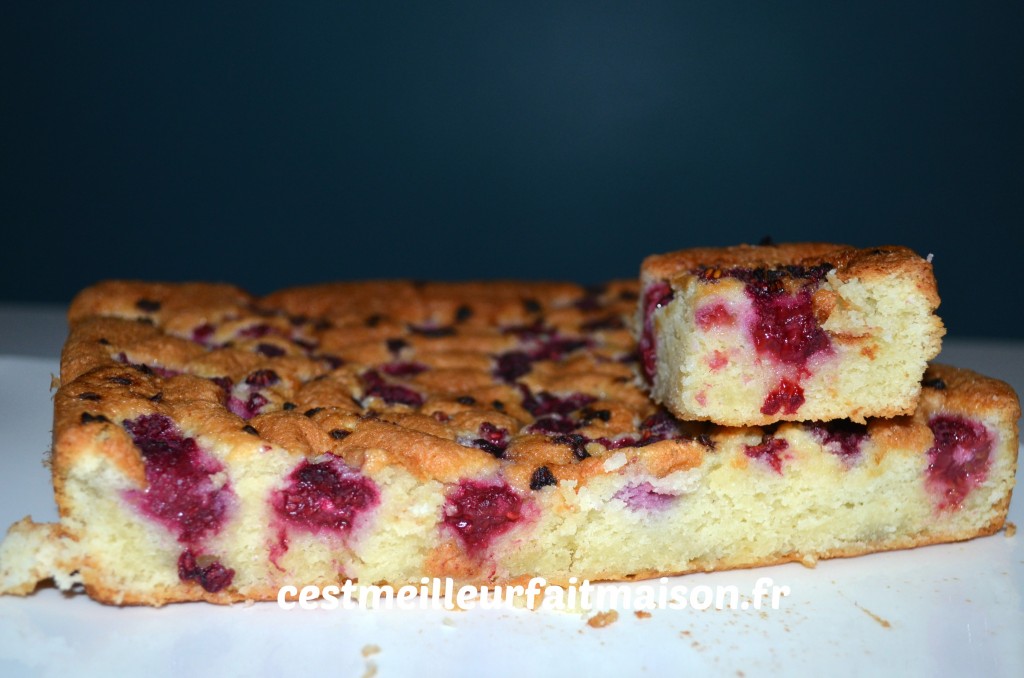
(751, 335)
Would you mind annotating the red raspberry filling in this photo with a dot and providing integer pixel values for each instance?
(714, 315)
(328, 496)
(784, 325)
(788, 397)
(643, 496)
(479, 513)
(959, 459)
(769, 452)
(374, 385)
(493, 439)
(212, 577)
(841, 437)
(554, 414)
(180, 493)
(656, 296)
(783, 328)
(246, 409)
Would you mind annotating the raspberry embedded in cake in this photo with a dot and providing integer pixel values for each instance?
(246, 408)
(643, 497)
(554, 414)
(537, 342)
(493, 439)
(769, 451)
(714, 315)
(656, 296)
(841, 437)
(658, 427)
(203, 334)
(544, 403)
(374, 385)
(262, 378)
(479, 513)
(959, 458)
(257, 331)
(403, 369)
(325, 497)
(212, 576)
(752, 335)
(575, 442)
(787, 398)
(512, 365)
(181, 492)
(784, 326)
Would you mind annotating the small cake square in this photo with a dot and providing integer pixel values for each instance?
(752, 335)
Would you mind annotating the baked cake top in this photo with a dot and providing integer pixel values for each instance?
(535, 380)
(802, 258)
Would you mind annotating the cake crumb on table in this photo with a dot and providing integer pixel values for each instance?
(602, 619)
(1010, 530)
(370, 650)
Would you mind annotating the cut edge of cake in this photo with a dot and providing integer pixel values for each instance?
(795, 493)
(754, 334)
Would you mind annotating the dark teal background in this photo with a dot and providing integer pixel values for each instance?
(271, 145)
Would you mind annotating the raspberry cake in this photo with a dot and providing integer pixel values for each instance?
(751, 335)
(210, 445)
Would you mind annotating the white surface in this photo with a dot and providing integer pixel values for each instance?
(941, 610)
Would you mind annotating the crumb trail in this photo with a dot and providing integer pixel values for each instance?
(884, 623)
(602, 619)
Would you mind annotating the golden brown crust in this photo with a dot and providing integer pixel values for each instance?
(849, 262)
(119, 366)
(424, 455)
(669, 265)
(955, 388)
(453, 333)
(133, 299)
(405, 301)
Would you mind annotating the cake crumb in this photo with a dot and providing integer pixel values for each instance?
(642, 614)
(884, 623)
(371, 670)
(602, 619)
(370, 650)
(1010, 530)
(615, 462)
(448, 621)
